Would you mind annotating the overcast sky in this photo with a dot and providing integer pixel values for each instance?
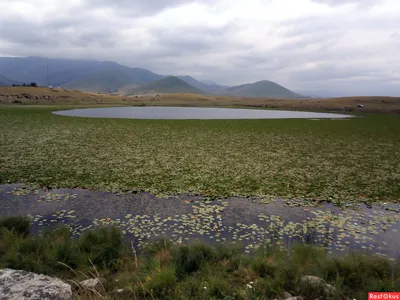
(329, 47)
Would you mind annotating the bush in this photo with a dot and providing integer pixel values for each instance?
(189, 259)
(162, 282)
(197, 271)
(102, 246)
(19, 225)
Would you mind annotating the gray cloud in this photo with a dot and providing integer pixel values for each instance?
(328, 72)
(22, 32)
(196, 39)
(327, 53)
(396, 37)
(139, 7)
(360, 3)
(104, 38)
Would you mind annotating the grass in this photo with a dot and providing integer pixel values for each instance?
(197, 271)
(333, 160)
(45, 96)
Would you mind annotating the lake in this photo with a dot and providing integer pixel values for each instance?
(194, 113)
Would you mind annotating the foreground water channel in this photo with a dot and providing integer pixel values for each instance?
(183, 218)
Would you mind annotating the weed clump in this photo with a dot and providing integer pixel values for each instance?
(164, 270)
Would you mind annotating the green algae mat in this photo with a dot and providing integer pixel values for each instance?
(341, 161)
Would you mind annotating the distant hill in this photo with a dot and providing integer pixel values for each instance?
(5, 81)
(62, 71)
(126, 88)
(260, 89)
(170, 84)
(113, 80)
(209, 82)
(194, 82)
(111, 77)
(209, 88)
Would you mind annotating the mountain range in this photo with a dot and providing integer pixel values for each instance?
(170, 84)
(5, 81)
(111, 77)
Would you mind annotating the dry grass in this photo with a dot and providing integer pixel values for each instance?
(8, 95)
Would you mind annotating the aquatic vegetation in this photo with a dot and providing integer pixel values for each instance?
(326, 160)
(218, 222)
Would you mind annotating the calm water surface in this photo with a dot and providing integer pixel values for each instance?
(194, 113)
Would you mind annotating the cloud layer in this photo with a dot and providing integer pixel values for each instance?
(322, 47)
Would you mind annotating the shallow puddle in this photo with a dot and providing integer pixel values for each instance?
(183, 218)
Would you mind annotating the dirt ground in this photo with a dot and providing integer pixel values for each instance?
(54, 96)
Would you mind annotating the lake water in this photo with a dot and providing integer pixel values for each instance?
(193, 113)
(252, 222)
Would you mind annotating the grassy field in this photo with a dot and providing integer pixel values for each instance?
(167, 271)
(333, 160)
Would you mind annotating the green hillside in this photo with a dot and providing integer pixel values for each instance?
(261, 89)
(170, 84)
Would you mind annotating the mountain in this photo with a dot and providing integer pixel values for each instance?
(260, 89)
(211, 89)
(111, 77)
(170, 84)
(113, 80)
(209, 82)
(194, 82)
(60, 71)
(5, 81)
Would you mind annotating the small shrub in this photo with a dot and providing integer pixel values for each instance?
(219, 288)
(161, 283)
(198, 271)
(102, 246)
(189, 259)
(19, 225)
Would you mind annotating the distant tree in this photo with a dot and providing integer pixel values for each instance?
(24, 84)
(13, 84)
(33, 84)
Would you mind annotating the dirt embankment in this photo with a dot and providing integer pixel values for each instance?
(52, 96)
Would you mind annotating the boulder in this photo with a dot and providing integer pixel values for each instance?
(92, 285)
(318, 282)
(287, 295)
(329, 290)
(312, 280)
(23, 285)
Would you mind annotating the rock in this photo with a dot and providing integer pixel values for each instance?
(317, 282)
(92, 285)
(23, 285)
(329, 290)
(312, 279)
(287, 295)
(295, 298)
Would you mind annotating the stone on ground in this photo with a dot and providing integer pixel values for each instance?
(23, 285)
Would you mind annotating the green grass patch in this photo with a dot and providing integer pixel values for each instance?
(169, 271)
(337, 160)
